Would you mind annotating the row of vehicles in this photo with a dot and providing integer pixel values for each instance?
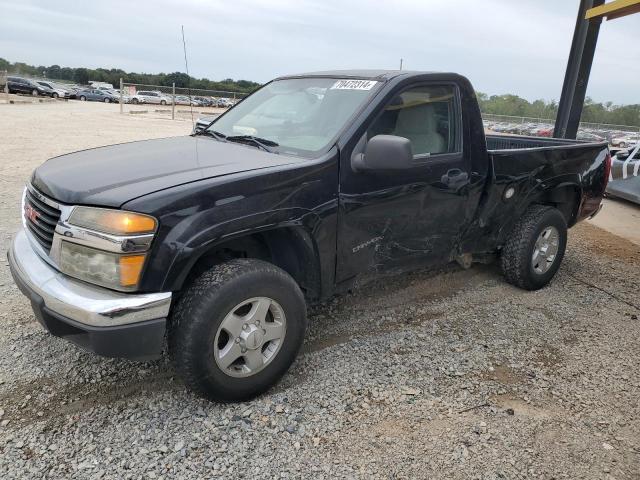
(615, 138)
(156, 97)
(47, 88)
(104, 92)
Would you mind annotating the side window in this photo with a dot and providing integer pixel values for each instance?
(425, 115)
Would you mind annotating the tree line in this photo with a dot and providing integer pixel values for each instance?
(593, 112)
(82, 76)
(507, 104)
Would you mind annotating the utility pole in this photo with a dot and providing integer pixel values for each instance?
(401, 64)
(574, 89)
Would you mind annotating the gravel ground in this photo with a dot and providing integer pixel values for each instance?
(452, 375)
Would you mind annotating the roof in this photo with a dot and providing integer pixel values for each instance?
(381, 75)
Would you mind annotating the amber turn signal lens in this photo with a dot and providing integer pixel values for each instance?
(116, 222)
(130, 270)
(126, 222)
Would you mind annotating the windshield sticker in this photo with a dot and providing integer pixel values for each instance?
(354, 85)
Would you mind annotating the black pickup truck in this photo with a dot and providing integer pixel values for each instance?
(212, 244)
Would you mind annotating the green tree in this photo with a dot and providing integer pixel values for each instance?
(81, 75)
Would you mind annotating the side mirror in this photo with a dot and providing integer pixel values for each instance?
(384, 152)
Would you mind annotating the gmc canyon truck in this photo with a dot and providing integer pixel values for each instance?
(211, 245)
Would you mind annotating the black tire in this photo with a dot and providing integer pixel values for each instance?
(54, 95)
(83, 98)
(162, 102)
(107, 100)
(200, 311)
(134, 101)
(34, 92)
(516, 258)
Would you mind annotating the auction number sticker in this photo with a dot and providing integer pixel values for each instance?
(354, 85)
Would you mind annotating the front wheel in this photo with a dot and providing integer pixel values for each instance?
(55, 95)
(162, 102)
(534, 250)
(83, 98)
(237, 329)
(106, 100)
(34, 92)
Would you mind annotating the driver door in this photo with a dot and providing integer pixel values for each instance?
(412, 217)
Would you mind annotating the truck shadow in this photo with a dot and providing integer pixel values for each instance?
(332, 323)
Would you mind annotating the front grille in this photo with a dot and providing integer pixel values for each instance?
(40, 219)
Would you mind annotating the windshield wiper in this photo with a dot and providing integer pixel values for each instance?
(212, 133)
(263, 143)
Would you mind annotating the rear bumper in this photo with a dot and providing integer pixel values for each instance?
(597, 211)
(108, 323)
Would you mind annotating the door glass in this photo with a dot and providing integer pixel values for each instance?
(424, 115)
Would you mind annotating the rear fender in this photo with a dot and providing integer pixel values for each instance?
(563, 192)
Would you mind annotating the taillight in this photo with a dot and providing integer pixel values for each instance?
(607, 169)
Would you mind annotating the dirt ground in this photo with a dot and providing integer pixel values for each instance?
(454, 374)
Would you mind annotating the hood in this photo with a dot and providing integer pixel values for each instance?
(111, 176)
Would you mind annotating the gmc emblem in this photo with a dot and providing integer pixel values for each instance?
(30, 213)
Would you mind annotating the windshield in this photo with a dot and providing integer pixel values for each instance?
(297, 116)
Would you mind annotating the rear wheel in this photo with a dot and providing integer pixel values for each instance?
(83, 98)
(534, 250)
(237, 329)
(54, 95)
(162, 102)
(34, 92)
(134, 101)
(106, 100)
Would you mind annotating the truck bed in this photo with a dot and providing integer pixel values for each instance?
(512, 142)
(531, 164)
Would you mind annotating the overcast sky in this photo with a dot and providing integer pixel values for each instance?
(503, 46)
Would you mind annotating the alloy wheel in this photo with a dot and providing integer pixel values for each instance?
(250, 337)
(545, 250)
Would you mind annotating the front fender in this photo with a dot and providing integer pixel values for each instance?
(203, 241)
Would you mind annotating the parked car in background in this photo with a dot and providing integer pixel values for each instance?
(95, 95)
(116, 93)
(224, 103)
(185, 100)
(58, 91)
(589, 137)
(204, 101)
(203, 122)
(625, 175)
(153, 97)
(73, 90)
(100, 85)
(27, 86)
(623, 141)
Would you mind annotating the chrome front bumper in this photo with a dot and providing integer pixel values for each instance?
(85, 304)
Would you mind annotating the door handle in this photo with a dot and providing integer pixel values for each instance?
(454, 176)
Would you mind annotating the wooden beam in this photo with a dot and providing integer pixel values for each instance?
(615, 9)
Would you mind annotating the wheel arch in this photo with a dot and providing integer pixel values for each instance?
(564, 194)
(566, 197)
(289, 247)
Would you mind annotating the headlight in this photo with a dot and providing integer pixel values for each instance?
(115, 222)
(106, 247)
(102, 268)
